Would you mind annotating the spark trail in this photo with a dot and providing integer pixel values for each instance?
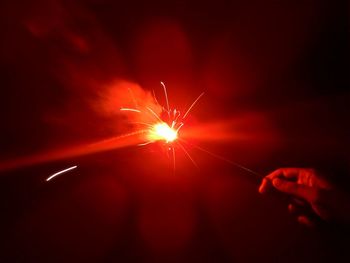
(60, 172)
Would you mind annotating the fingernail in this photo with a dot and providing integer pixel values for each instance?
(277, 182)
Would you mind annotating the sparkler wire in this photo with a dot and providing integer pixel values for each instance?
(224, 159)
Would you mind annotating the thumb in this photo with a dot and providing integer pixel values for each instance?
(299, 190)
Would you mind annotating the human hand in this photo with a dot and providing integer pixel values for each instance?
(312, 195)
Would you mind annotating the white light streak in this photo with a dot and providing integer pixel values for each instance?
(128, 109)
(61, 172)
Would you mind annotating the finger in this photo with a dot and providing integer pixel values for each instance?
(266, 183)
(304, 220)
(305, 192)
(289, 173)
(265, 186)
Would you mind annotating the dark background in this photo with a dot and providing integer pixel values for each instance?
(278, 69)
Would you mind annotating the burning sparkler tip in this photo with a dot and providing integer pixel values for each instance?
(164, 129)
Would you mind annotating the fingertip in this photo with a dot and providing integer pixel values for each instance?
(261, 189)
(263, 186)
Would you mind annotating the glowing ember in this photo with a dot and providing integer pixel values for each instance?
(162, 131)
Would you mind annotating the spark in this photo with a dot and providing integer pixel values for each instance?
(60, 172)
(154, 114)
(192, 105)
(188, 154)
(145, 143)
(129, 109)
(166, 96)
(166, 131)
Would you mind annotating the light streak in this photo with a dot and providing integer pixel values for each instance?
(60, 172)
(187, 153)
(128, 109)
(117, 142)
(166, 97)
(192, 105)
(154, 114)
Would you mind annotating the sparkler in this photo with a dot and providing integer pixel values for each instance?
(167, 130)
(156, 123)
(164, 129)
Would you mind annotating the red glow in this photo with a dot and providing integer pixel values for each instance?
(71, 152)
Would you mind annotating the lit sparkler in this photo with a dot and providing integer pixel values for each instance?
(156, 124)
(167, 130)
(164, 129)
